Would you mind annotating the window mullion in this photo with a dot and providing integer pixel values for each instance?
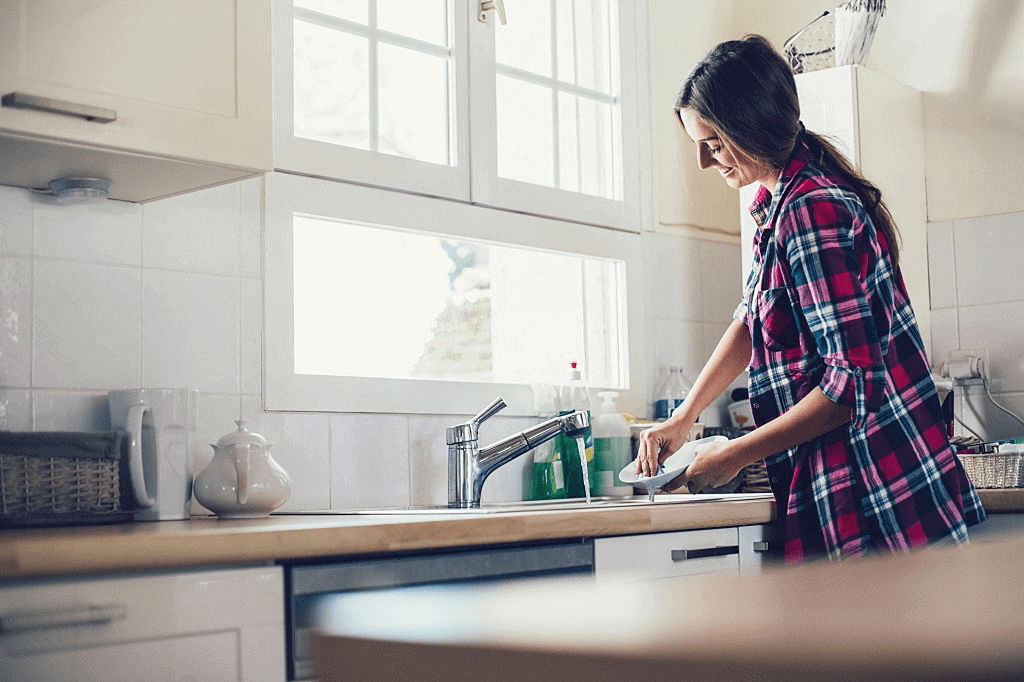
(373, 91)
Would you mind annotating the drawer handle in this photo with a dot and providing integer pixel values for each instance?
(64, 618)
(761, 547)
(704, 552)
(19, 100)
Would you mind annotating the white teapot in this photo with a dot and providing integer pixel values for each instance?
(242, 481)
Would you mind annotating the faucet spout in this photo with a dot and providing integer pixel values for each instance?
(469, 465)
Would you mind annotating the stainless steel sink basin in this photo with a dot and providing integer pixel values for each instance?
(556, 505)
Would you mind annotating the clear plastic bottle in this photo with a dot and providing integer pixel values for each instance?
(613, 448)
(671, 393)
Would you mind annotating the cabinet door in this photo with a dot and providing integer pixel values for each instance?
(657, 556)
(188, 80)
(203, 625)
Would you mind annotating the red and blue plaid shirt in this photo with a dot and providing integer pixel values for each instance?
(825, 309)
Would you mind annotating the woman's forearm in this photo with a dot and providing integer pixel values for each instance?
(813, 416)
(730, 358)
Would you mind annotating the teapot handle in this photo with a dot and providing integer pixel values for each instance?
(242, 471)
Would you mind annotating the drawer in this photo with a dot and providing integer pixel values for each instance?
(210, 625)
(666, 555)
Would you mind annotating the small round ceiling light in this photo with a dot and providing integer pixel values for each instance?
(81, 190)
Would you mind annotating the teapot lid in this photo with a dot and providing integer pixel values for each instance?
(242, 435)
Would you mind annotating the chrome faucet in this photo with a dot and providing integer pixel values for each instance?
(469, 465)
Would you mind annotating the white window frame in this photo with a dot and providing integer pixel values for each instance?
(288, 194)
(473, 178)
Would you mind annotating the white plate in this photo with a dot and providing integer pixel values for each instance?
(670, 468)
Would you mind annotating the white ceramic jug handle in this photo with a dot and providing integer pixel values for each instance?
(242, 471)
(135, 467)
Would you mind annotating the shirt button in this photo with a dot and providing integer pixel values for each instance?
(755, 405)
(858, 371)
(775, 479)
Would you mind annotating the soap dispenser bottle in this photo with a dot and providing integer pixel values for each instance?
(612, 447)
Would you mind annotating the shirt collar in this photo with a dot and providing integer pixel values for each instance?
(764, 201)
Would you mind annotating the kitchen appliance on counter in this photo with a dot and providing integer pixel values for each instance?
(160, 425)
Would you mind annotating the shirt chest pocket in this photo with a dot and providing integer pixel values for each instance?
(778, 323)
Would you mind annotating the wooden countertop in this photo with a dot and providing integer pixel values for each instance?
(939, 614)
(204, 541)
(1002, 500)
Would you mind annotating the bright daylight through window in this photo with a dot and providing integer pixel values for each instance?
(478, 311)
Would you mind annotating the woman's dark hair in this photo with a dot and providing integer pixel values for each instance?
(744, 90)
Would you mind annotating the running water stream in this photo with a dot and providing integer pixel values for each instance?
(583, 465)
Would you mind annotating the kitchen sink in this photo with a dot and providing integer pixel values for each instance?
(553, 505)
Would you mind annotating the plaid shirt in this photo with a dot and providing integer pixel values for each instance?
(825, 309)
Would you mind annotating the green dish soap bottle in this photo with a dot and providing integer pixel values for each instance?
(580, 474)
(548, 474)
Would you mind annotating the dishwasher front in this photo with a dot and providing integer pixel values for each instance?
(310, 586)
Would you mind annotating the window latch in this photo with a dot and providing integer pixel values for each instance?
(486, 6)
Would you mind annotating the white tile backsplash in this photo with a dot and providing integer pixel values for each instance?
(369, 461)
(15, 410)
(721, 282)
(86, 325)
(110, 232)
(941, 266)
(70, 411)
(983, 312)
(15, 322)
(988, 258)
(190, 331)
(16, 216)
(197, 232)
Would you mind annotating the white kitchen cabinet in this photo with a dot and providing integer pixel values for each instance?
(188, 84)
(659, 556)
(878, 122)
(209, 625)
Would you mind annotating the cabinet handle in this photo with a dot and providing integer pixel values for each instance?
(704, 552)
(64, 618)
(760, 547)
(19, 100)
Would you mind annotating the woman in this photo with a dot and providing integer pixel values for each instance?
(849, 422)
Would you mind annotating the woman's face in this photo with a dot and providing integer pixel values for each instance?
(711, 153)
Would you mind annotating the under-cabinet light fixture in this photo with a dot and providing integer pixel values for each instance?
(80, 190)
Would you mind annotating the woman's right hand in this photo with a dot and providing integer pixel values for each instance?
(658, 443)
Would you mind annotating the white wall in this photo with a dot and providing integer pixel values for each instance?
(978, 304)
(169, 294)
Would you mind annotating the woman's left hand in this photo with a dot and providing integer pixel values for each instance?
(713, 466)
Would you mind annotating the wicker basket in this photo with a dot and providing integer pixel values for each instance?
(995, 470)
(46, 477)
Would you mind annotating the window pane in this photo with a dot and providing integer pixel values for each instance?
(414, 101)
(466, 310)
(586, 44)
(586, 152)
(331, 86)
(350, 10)
(525, 41)
(525, 133)
(425, 20)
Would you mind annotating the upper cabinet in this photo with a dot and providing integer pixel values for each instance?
(161, 98)
(878, 122)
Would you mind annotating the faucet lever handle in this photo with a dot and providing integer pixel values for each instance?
(467, 433)
(497, 405)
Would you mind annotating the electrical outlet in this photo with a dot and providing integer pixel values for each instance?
(967, 365)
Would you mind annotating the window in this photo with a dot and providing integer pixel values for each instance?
(390, 302)
(416, 262)
(382, 92)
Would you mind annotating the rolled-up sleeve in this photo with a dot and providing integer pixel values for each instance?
(817, 232)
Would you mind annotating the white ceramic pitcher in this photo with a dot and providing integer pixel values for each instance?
(160, 424)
